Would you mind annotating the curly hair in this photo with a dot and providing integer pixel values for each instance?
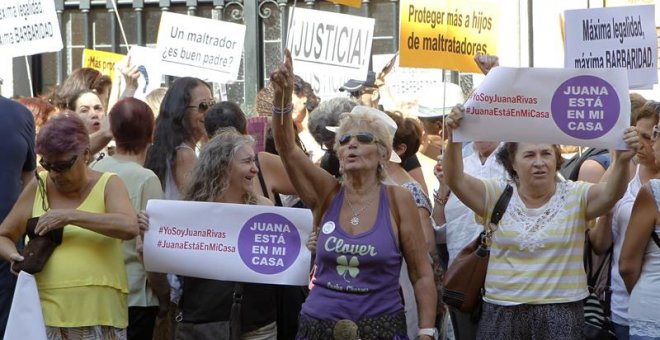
(210, 176)
(327, 114)
(408, 132)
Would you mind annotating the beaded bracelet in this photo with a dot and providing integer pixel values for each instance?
(439, 199)
(285, 111)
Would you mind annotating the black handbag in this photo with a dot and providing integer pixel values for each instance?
(597, 323)
(464, 280)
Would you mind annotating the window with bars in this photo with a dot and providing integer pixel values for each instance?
(92, 24)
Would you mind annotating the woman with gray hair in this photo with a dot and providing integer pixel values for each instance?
(327, 115)
(366, 229)
(224, 173)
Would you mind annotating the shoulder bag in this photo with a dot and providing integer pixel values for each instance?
(464, 280)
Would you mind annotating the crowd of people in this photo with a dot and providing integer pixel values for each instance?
(85, 162)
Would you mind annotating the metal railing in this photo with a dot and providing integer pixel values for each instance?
(92, 24)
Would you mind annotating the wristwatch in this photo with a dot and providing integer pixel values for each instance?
(432, 332)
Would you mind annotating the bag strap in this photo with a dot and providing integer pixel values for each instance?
(501, 205)
(264, 187)
(655, 237)
(235, 316)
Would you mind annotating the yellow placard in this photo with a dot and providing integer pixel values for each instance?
(447, 34)
(352, 3)
(101, 61)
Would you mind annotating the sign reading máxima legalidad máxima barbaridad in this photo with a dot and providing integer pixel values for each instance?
(587, 107)
(230, 242)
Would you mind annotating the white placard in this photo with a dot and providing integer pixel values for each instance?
(29, 27)
(614, 37)
(588, 107)
(406, 82)
(230, 242)
(190, 46)
(150, 74)
(329, 48)
(26, 320)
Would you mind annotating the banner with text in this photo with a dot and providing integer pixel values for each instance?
(587, 107)
(330, 48)
(102, 61)
(29, 27)
(151, 75)
(190, 46)
(230, 242)
(612, 38)
(447, 34)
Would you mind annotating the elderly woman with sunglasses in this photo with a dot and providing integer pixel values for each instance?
(82, 287)
(363, 228)
(536, 278)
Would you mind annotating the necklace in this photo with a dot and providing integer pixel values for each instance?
(355, 220)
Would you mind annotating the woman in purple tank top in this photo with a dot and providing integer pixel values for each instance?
(363, 228)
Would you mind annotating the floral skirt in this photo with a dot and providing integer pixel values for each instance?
(387, 326)
(86, 333)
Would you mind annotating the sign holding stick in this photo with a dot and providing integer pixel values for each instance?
(536, 105)
(614, 37)
(29, 27)
(231, 242)
(199, 47)
(330, 48)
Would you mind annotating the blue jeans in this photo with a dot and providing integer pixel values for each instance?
(7, 285)
(621, 331)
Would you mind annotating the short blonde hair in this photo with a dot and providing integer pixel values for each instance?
(367, 122)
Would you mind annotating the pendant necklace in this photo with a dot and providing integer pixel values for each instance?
(355, 220)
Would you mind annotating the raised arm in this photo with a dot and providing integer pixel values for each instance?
(119, 220)
(470, 190)
(312, 183)
(642, 223)
(604, 195)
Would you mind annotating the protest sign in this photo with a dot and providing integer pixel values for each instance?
(352, 3)
(231, 242)
(145, 59)
(257, 127)
(199, 47)
(29, 27)
(586, 107)
(102, 61)
(614, 37)
(330, 48)
(447, 34)
(405, 83)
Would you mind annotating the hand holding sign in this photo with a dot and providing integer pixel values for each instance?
(486, 62)
(631, 137)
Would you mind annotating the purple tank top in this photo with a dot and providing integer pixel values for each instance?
(356, 275)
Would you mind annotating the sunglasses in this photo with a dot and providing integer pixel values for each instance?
(59, 166)
(362, 137)
(656, 133)
(202, 106)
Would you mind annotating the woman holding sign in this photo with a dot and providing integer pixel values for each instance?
(535, 284)
(363, 228)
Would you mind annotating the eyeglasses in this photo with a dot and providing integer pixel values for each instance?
(202, 106)
(59, 166)
(656, 133)
(362, 137)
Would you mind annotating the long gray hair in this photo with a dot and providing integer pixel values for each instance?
(210, 176)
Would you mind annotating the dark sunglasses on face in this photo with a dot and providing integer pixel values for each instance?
(59, 166)
(656, 133)
(362, 137)
(202, 106)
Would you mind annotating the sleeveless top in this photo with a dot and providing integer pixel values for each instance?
(643, 311)
(356, 275)
(84, 281)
